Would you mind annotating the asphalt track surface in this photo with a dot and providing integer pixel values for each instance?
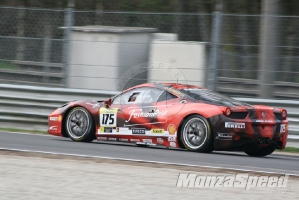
(275, 163)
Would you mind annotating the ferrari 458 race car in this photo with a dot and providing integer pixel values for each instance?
(174, 115)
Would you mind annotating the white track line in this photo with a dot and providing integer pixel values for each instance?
(147, 161)
(132, 160)
(34, 134)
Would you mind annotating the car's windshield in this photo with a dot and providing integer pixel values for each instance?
(212, 97)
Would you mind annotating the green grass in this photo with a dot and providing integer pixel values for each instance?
(23, 131)
(7, 65)
(290, 149)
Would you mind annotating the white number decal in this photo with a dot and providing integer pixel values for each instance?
(108, 117)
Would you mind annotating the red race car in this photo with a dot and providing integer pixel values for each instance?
(174, 115)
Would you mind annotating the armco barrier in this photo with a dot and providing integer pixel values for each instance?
(31, 105)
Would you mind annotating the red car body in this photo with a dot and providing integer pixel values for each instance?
(136, 117)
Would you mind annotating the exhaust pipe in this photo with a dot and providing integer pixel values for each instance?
(268, 141)
(264, 140)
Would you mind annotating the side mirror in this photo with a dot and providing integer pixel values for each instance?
(108, 103)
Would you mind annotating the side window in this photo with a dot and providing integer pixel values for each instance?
(122, 98)
(134, 96)
(116, 100)
(166, 96)
(151, 95)
(139, 95)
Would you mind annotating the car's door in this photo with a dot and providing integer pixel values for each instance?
(168, 107)
(131, 113)
(138, 109)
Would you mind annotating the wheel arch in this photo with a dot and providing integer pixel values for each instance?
(180, 128)
(67, 111)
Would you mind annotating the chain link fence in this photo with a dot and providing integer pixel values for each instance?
(240, 47)
(34, 47)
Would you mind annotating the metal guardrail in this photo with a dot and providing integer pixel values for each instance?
(22, 105)
(235, 87)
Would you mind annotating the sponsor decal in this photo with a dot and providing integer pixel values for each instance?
(174, 91)
(171, 129)
(136, 113)
(265, 121)
(138, 130)
(282, 128)
(240, 180)
(171, 139)
(102, 138)
(146, 143)
(108, 117)
(106, 129)
(123, 139)
(172, 144)
(123, 130)
(158, 131)
(53, 118)
(53, 128)
(58, 118)
(160, 140)
(234, 125)
(147, 140)
(224, 136)
(112, 139)
(135, 140)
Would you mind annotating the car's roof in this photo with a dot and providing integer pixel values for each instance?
(162, 85)
(178, 89)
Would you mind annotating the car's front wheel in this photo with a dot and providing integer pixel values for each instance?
(80, 125)
(196, 134)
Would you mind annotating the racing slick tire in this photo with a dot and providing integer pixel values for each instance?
(196, 134)
(79, 125)
(260, 152)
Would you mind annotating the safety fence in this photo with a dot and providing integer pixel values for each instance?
(34, 49)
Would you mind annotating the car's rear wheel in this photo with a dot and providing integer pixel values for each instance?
(260, 152)
(80, 125)
(196, 134)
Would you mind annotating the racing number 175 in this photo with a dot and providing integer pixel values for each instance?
(108, 119)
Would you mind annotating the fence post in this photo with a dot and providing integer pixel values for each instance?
(211, 82)
(268, 50)
(46, 58)
(68, 23)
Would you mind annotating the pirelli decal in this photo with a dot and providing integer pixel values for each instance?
(234, 125)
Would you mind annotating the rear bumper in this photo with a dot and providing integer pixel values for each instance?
(240, 141)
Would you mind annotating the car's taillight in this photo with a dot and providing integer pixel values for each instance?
(284, 114)
(227, 112)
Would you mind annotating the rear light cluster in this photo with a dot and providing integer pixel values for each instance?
(234, 115)
(227, 112)
(284, 114)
